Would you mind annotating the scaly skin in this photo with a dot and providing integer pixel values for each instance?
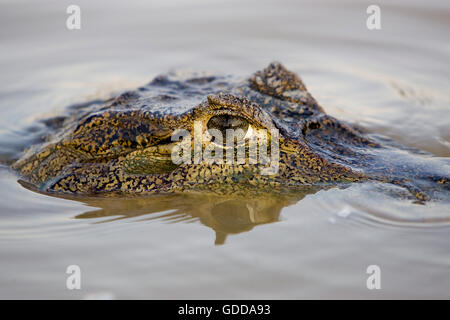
(124, 147)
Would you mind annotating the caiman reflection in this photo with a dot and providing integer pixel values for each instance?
(225, 215)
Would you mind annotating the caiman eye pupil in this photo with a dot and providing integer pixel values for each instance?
(225, 122)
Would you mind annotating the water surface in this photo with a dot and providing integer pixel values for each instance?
(391, 82)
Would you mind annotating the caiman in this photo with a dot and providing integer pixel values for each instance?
(124, 145)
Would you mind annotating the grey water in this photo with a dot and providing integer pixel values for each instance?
(393, 83)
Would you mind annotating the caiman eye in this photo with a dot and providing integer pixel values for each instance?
(225, 122)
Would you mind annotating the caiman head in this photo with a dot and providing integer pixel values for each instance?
(154, 140)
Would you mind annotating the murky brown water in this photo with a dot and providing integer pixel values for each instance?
(392, 82)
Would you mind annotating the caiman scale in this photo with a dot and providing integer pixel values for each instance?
(123, 146)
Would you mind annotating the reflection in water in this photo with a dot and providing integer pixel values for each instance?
(225, 215)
